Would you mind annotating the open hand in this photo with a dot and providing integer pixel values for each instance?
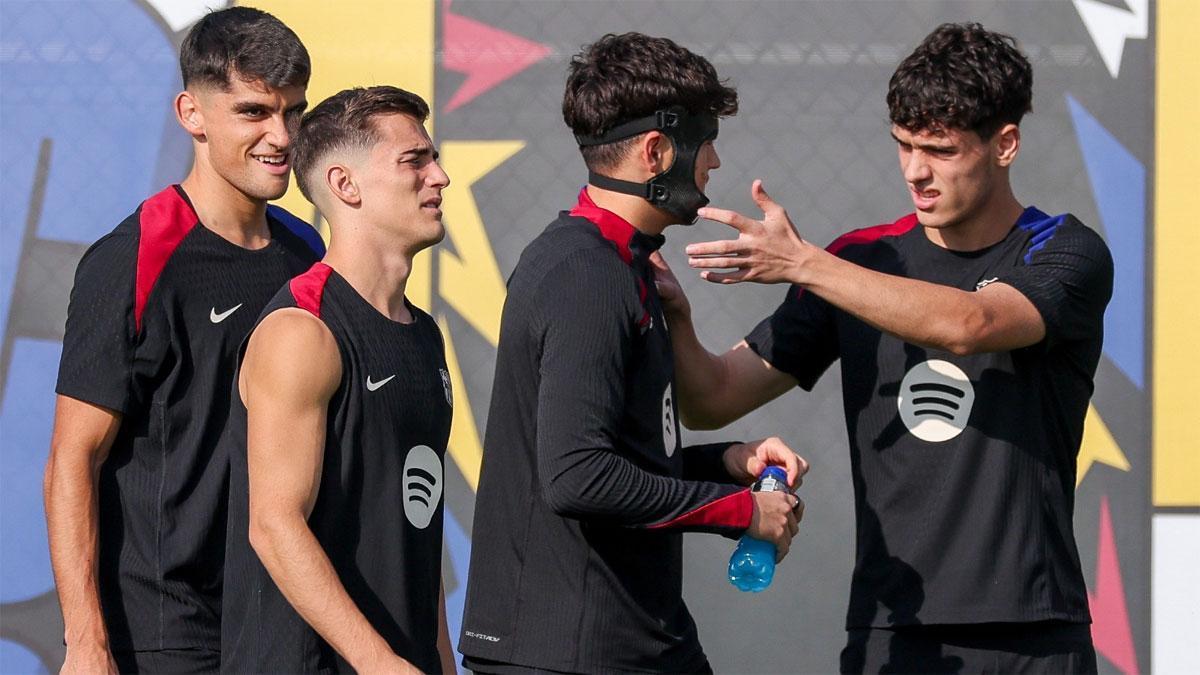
(766, 251)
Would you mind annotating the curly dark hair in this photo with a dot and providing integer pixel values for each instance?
(620, 78)
(246, 41)
(962, 76)
(346, 120)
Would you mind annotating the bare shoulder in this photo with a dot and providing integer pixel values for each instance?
(291, 355)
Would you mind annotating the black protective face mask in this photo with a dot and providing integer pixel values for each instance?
(673, 190)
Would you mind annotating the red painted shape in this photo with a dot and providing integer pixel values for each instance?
(308, 288)
(1110, 617)
(732, 510)
(612, 227)
(163, 221)
(487, 55)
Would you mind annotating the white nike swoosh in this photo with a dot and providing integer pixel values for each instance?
(372, 386)
(218, 318)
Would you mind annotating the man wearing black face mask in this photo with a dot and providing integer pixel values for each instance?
(585, 489)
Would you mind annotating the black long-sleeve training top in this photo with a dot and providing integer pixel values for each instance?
(584, 492)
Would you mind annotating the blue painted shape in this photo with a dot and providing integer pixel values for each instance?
(25, 422)
(1118, 182)
(98, 79)
(16, 658)
(458, 543)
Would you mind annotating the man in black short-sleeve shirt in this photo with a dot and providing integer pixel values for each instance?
(969, 333)
(136, 488)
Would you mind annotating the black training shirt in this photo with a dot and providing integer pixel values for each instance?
(379, 509)
(158, 309)
(585, 489)
(963, 466)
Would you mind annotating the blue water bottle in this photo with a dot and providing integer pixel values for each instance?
(752, 565)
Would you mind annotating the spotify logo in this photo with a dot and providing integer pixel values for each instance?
(422, 485)
(935, 400)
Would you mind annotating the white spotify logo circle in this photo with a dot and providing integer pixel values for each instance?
(422, 485)
(670, 424)
(935, 400)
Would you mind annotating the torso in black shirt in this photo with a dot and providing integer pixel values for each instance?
(963, 466)
(379, 508)
(157, 312)
(585, 486)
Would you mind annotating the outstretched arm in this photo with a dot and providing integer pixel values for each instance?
(286, 409)
(995, 318)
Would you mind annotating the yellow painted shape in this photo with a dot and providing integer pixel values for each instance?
(465, 448)
(361, 44)
(470, 282)
(1098, 446)
(1176, 370)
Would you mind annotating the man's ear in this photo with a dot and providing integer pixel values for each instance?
(342, 185)
(656, 153)
(189, 114)
(1006, 144)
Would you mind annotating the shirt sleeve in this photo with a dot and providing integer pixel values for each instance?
(706, 462)
(99, 340)
(1069, 279)
(587, 347)
(799, 339)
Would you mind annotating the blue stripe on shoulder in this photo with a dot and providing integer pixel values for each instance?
(1042, 226)
(299, 228)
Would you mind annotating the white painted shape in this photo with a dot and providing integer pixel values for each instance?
(1110, 26)
(180, 14)
(1175, 593)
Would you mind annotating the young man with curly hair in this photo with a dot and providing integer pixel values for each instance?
(969, 332)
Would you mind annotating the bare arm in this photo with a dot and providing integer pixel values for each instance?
(712, 390)
(286, 408)
(83, 435)
(996, 318)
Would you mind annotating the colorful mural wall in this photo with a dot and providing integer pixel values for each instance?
(86, 132)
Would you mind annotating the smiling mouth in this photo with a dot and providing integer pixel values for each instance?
(271, 160)
(435, 203)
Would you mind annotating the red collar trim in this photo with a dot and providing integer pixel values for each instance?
(612, 227)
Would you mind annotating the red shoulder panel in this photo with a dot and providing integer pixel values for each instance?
(308, 288)
(870, 234)
(165, 219)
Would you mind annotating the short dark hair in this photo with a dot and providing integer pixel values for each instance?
(620, 78)
(346, 120)
(962, 76)
(245, 41)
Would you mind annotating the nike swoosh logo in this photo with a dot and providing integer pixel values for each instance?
(372, 386)
(218, 318)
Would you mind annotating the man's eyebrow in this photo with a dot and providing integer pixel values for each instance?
(420, 151)
(927, 145)
(247, 106)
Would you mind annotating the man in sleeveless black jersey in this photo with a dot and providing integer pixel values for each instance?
(585, 490)
(969, 333)
(136, 486)
(340, 423)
